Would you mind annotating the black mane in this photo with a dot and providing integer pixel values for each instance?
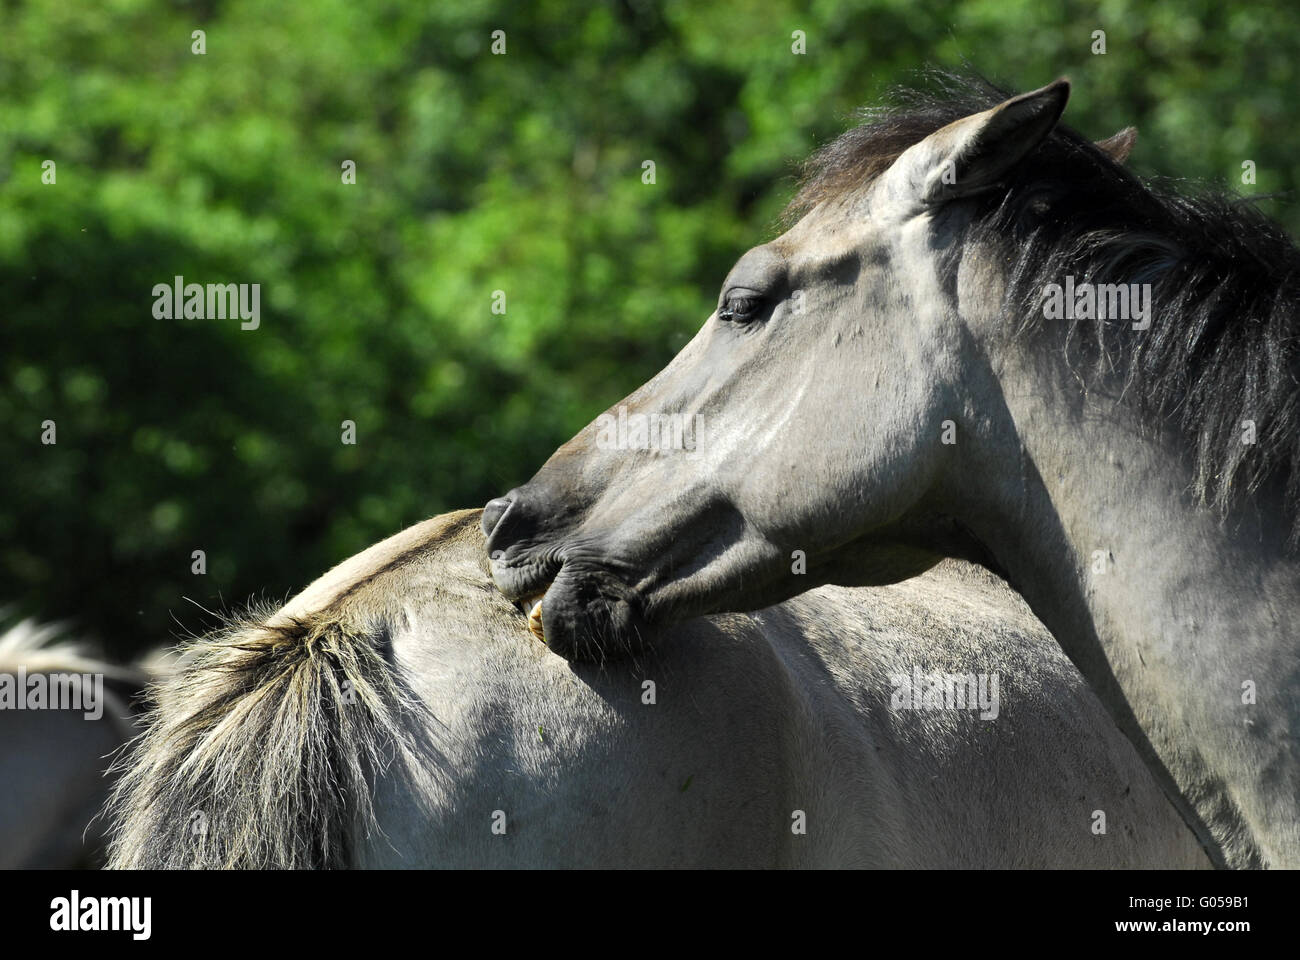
(1225, 282)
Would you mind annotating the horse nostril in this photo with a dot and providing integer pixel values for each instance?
(493, 512)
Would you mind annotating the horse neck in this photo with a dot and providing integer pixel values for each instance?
(1173, 616)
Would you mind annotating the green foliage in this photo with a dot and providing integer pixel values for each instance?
(475, 173)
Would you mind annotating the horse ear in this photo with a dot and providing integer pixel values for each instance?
(1118, 146)
(972, 154)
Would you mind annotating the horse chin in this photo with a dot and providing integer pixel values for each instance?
(592, 617)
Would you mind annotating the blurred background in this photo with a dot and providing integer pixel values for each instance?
(475, 173)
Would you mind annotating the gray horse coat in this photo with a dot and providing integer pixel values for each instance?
(398, 713)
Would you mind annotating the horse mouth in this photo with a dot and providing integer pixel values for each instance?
(578, 611)
(531, 607)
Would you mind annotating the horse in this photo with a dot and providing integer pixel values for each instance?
(54, 756)
(895, 379)
(399, 713)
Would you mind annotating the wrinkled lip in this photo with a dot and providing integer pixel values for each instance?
(577, 610)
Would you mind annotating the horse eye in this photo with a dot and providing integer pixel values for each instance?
(740, 309)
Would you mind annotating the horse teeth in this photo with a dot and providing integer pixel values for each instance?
(535, 621)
